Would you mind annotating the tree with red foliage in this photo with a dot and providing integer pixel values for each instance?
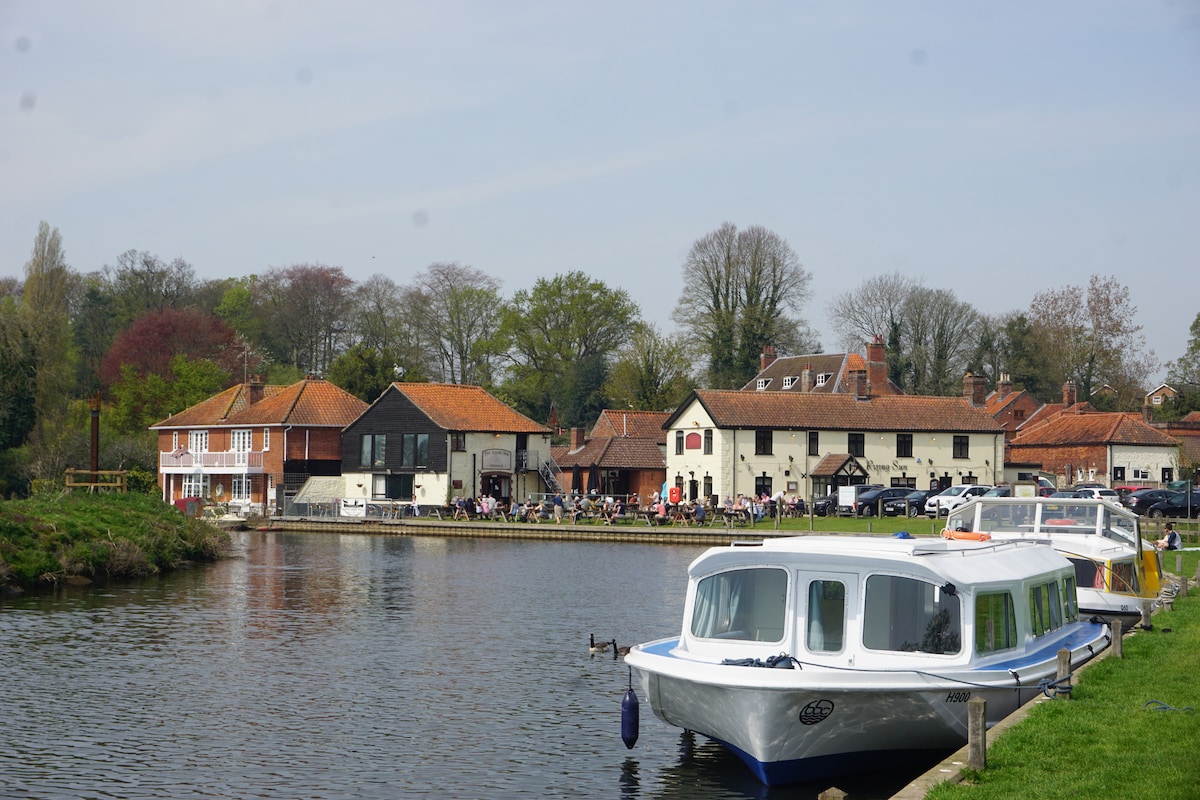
(154, 339)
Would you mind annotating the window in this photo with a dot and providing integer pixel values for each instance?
(707, 487)
(995, 622)
(678, 443)
(856, 444)
(824, 376)
(908, 615)
(195, 485)
(240, 488)
(266, 438)
(903, 445)
(1018, 413)
(826, 625)
(239, 440)
(414, 450)
(763, 383)
(373, 446)
(962, 446)
(789, 381)
(1045, 608)
(198, 441)
(763, 441)
(708, 440)
(1070, 609)
(1118, 473)
(762, 485)
(458, 442)
(1156, 400)
(1141, 474)
(814, 443)
(746, 604)
(174, 440)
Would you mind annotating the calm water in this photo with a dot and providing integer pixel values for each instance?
(356, 666)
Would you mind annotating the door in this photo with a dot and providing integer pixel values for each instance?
(826, 603)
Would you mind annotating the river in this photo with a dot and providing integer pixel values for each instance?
(357, 666)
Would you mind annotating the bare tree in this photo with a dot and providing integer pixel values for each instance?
(460, 309)
(141, 282)
(307, 307)
(872, 309)
(941, 334)
(739, 288)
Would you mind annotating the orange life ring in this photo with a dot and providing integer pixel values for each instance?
(973, 536)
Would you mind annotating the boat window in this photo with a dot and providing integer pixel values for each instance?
(1070, 602)
(909, 615)
(1124, 577)
(747, 604)
(995, 622)
(1045, 608)
(826, 616)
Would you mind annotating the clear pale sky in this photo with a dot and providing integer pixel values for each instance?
(996, 149)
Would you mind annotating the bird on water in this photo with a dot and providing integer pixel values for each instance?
(597, 647)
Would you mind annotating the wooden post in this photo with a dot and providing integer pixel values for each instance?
(1064, 672)
(1183, 586)
(1147, 606)
(1178, 563)
(977, 733)
(1116, 631)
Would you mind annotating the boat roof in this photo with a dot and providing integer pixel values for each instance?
(1042, 517)
(962, 562)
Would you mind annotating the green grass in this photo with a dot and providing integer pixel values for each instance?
(50, 539)
(1105, 741)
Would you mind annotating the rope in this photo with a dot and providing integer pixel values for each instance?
(1159, 705)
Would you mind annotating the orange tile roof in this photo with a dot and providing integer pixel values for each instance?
(217, 409)
(461, 407)
(632, 424)
(1091, 429)
(796, 411)
(612, 452)
(312, 403)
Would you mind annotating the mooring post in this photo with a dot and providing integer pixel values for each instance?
(1147, 606)
(1116, 630)
(977, 733)
(832, 793)
(1178, 562)
(1064, 673)
(1183, 586)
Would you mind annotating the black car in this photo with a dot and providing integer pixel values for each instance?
(1139, 501)
(868, 503)
(910, 505)
(825, 506)
(1181, 505)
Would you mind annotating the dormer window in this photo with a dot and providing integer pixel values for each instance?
(789, 381)
(762, 383)
(821, 378)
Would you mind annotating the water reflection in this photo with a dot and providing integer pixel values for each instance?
(329, 666)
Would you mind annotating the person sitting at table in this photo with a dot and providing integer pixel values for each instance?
(660, 513)
(698, 513)
(635, 501)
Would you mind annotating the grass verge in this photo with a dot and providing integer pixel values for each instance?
(1127, 731)
(49, 539)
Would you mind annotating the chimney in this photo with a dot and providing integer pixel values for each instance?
(1068, 394)
(974, 387)
(1147, 411)
(254, 389)
(577, 438)
(1004, 387)
(767, 358)
(877, 365)
(806, 378)
(862, 387)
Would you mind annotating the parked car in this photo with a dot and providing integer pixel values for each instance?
(999, 491)
(951, 498)
(871, 502)
(1181, 504)
(1066, 495)
(1100, 493)
(911, 505)
(1140, 500)
(1081, 486)
(824, 506)
(846, 511)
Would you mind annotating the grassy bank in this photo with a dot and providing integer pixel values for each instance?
(1127, 731)
(52, 539)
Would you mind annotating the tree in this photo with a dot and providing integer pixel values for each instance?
(651, 372)
(739, 287)
(141, 282)
(365, 371)
(872, 308)
(562, 321)
(307, 307)
(460, 311)
(1089, 336)
(941, 333)
(1183, 375)
(139, 400)
(152, 342)
(1023, 358)
(18, 377)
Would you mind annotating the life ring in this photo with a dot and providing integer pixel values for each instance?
(971, 536)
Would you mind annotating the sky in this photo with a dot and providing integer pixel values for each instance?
(997, 150)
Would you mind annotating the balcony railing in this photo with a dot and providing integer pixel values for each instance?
(250, 461)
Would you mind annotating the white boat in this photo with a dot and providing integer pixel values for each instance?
(1115, 569)
(884, 641)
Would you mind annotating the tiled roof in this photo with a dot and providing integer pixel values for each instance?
(312, 403)
(1092, 429)
(612, 452)
(632, 424)
(217, 409)
(805, 411)
(832, 364)
(460, 407)
(995, 403)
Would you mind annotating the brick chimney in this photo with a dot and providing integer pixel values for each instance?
(877, 365)
(577, 438)
(1068, 394)
(806, 378)
(1004, 386)
(974, 388)
(767, 358)
(254, 389)
(862, 387)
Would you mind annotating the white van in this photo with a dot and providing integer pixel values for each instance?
(942, 504)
